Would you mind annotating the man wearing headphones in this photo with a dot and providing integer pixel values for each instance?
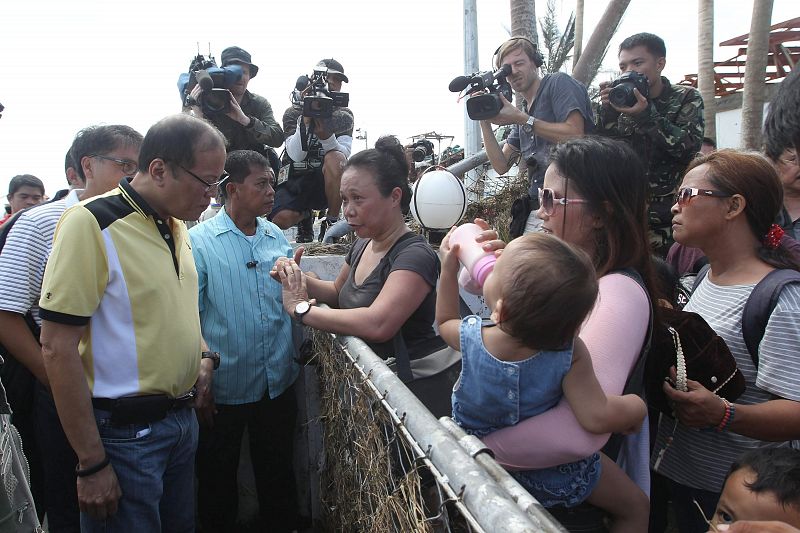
(557, 108)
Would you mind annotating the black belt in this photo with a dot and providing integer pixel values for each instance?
(142, 409)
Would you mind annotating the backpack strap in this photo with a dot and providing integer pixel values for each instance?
(635, 382)
(402, 360)
(701, 274)
(760, 305)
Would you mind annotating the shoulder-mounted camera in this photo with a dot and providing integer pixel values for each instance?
(215, 81)
(312, 91)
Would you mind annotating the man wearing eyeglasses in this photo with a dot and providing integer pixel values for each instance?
(242, 318)
(557, 108)
(121, 334)
(665, 127)
(105, 155)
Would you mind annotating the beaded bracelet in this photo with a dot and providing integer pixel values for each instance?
(727, 418)
(92, 469)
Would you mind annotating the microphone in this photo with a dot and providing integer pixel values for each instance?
(459, 84)
(204, 80)
(251, 264)
(301, 83)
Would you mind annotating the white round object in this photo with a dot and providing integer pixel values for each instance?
(439, 200)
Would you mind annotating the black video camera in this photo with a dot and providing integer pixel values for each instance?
(621, 94)
(318, 101)
(487, 105)
(421, 150)
(215, 81)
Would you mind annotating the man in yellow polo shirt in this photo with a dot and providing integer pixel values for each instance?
(121, 336)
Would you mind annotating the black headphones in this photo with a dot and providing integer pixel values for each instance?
(538, 58)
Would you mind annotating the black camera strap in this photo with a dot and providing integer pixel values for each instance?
(303, 136)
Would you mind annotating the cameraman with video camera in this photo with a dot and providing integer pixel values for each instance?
(246, 120)
(319, 138)
(663, 122)
(557, 108)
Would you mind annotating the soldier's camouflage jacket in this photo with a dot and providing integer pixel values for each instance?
(667, 135)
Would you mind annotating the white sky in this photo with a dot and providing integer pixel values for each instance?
(67, 64)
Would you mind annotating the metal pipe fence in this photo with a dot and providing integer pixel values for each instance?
(387, 464)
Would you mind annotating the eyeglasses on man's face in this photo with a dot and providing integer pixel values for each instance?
(207, 186)
(687, 193)
(548, 201)
(129, 167)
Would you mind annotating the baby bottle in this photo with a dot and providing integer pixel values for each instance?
(478, 263)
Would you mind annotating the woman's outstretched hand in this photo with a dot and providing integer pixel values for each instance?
(281, 262)
(294, 284)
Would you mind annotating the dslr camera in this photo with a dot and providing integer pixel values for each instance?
(486, 105)
(215, 81)
(621, 94)
(317, 100)
(421, 150)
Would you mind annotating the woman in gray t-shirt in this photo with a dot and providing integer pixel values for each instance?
(386, 290)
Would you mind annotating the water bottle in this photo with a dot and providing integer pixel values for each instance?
(477, 262)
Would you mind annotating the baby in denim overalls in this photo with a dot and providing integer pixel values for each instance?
(539, 293)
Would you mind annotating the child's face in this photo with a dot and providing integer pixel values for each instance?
(493, 286)
(738, 502)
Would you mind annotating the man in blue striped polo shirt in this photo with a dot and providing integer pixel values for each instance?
(242, 318)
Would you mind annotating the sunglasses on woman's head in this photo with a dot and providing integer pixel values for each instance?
(687, 193)
(548, 201)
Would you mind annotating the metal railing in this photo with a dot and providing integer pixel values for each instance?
(457, 486)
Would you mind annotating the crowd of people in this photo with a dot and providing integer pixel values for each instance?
(138, 352)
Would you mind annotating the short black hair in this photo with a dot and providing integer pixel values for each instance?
(709, 140)
(654, 44)
(101, 140)
(777, 472)
(782, 126)
(24, 180)
(68, 161)
(239, 165)
(176, 138)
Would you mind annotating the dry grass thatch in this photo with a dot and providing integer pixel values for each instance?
(370, 479)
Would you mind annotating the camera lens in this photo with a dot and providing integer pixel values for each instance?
(622, 95)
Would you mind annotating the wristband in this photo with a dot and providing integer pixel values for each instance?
(251, 123)
(727, 418)
(92, 469)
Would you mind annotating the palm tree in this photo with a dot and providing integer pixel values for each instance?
(705, 64)
(576, 54)
(558, 44)
(754, 74)
(597, 46)
(523, 19)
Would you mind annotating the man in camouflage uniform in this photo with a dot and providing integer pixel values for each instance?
(665, 128)
(317, 150)
(249, 124)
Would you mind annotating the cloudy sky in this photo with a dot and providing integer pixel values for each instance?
(69, 64)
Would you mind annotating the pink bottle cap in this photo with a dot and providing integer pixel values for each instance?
(482, 268)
